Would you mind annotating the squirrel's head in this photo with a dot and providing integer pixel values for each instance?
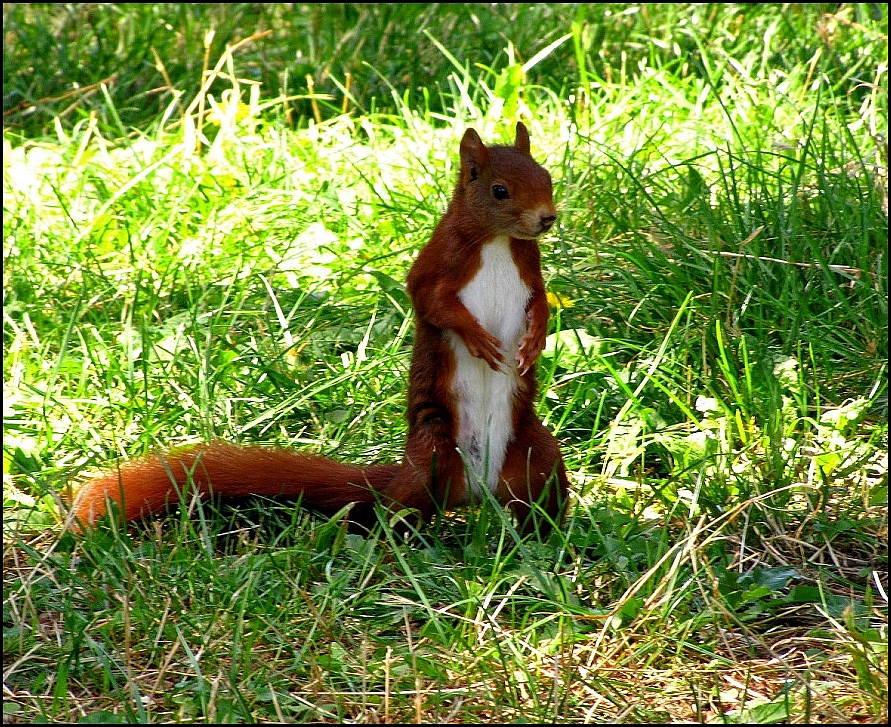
(504, 189)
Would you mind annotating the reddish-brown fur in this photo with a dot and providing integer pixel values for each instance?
(432, 472)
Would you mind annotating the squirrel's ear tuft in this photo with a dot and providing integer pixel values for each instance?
(522, 140)
(474, 156)
(471, 145)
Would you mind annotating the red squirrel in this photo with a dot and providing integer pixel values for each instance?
(481, 319)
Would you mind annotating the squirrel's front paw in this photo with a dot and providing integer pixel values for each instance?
(487, 347)
(530, 349)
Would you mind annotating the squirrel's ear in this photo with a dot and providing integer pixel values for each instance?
(471, 144)
(522, 140)
(474, 156)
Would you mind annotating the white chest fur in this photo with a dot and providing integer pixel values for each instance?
(497, 297)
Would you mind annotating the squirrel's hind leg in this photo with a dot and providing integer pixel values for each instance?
(534, 475)
(431, 476)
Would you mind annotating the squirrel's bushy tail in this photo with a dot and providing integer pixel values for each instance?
(147, 486)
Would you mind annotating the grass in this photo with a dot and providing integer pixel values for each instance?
(213, 244)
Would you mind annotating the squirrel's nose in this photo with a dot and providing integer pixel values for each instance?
(547, 221)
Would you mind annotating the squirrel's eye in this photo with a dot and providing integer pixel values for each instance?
(499, 191)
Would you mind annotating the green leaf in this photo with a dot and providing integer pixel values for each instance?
(765, 712)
